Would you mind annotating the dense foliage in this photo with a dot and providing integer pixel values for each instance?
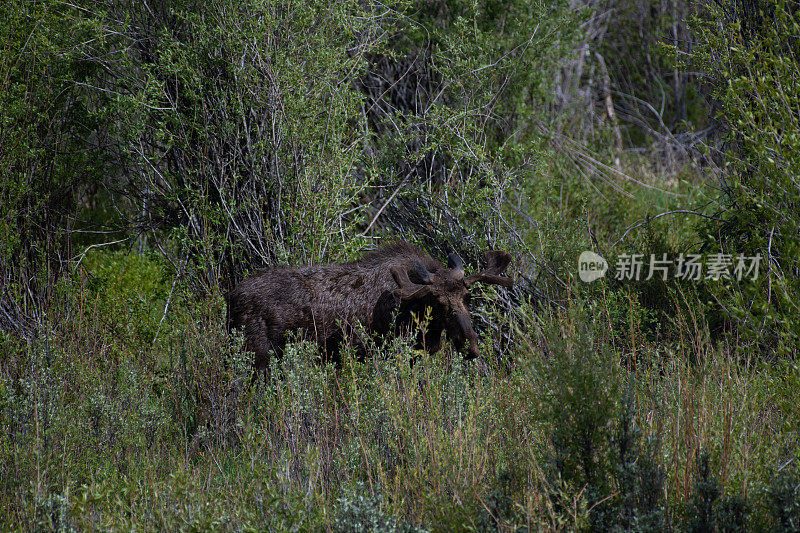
(752, 69)
(154, 154)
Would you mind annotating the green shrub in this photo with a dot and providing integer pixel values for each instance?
(130, 293)
(783, 500)
(702, 515)
(360, 512)
(752, 70)
(597, 449)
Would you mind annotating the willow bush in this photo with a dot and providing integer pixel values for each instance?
(751, 65)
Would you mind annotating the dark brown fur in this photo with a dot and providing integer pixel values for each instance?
(380, 291)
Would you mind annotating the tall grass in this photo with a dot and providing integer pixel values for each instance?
(103, 430)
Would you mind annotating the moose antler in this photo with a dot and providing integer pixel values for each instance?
(496, 263)
(408, 289)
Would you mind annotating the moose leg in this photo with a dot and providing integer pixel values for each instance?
(330, 349)
(261, 363)
(431, 342)
(263, 352)
(254, 378)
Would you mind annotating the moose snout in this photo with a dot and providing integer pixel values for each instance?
(465, 339)
(472, 351)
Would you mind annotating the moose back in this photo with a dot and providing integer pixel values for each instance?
(381, 292)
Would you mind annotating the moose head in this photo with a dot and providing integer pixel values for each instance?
(446, 291)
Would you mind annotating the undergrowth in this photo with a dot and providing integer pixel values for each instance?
(105, 429)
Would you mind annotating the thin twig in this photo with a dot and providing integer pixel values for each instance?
(364, 233)
(643, 221)
(100, 245)
(166, 306)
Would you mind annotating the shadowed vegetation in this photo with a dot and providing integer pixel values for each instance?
(156, 155)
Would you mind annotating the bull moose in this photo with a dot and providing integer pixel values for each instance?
(381, 291)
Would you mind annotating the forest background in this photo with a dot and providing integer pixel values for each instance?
(153, 154)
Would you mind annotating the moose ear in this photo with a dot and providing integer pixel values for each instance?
(455, 264)
(423, 273)
(497, 262)
(408, 290)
